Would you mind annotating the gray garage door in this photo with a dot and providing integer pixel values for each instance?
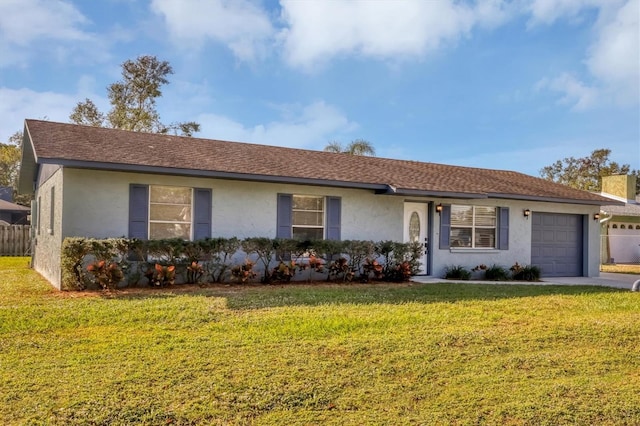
(556, 244)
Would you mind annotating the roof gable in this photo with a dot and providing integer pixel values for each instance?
(111, 149)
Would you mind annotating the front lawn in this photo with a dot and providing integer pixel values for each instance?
(324, 354)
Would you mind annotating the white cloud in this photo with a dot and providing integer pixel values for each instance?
(243, 26)
(19, 104)
(36, 26)
(574, 92)
(311, 127)
(615, 56)
(613, 59)
(546, 12)
(318, 31)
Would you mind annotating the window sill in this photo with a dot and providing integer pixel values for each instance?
(474, 250)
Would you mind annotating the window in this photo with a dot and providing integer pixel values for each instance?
(307, 219)
(169, 212)
(52, 210)
(38, 215)
(473, 226)
(158, 211)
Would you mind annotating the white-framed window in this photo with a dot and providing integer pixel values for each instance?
(473, 226)
(307, 219)
(170, 212)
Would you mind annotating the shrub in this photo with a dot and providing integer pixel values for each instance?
(194, 272)
(496, 273)
(340, 269)
(400, 272)
(456, 273)
(356, 252)
(265, 249)
(313, 264)
(371, 267)
(161, 276)
(283, 272)
(525, 272)
(72, 257)
(212, 258)
(221, 251)
(106, 275)
(243, 273)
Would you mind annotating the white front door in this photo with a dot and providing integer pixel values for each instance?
(415, 228)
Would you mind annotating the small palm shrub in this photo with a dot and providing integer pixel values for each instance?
(457, 273)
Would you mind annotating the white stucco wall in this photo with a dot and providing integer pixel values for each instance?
(97, 205)
(48, 234)
(519, 237)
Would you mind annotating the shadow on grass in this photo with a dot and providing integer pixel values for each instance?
(270, 296)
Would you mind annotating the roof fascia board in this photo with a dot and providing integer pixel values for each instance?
(552, 200)
(28, 164)
(438, 194)
(208, 174)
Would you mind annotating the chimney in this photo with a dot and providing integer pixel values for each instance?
(621, 187)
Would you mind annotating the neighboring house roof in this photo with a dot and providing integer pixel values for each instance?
(628, 209)
(110, 149)
(8, 206)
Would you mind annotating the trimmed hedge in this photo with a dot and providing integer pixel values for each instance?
(215, 260)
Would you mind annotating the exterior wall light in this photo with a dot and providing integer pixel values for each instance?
(526, 213)
(439, 208)
(596, 216)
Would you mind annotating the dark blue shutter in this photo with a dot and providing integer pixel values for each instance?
(139, 211)
(334, 213)
(284, 219)
(445, 226)
(503, 228)
(202, 213)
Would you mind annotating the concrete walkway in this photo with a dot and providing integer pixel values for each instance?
(606, 279)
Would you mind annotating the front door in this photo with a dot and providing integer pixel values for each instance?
(415, 228)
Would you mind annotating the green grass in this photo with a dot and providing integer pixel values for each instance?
(326, 354)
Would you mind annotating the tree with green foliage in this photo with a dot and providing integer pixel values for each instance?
(586, 172)
(356, 147)
(10, 155)
(133, 101)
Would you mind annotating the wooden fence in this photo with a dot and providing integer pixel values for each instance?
(15, 240)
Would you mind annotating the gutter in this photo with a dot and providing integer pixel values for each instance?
(605, 219)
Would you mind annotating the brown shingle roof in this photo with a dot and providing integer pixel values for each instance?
(85, 146)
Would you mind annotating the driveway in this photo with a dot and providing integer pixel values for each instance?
(606, 279)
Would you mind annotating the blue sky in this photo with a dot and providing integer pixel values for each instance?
(489, 83)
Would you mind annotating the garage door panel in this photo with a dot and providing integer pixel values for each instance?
(556, 244)
(548, 221)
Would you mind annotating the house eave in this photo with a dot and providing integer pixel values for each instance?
(133, 168)
(28, 165)
(392, 190)
(550, 199)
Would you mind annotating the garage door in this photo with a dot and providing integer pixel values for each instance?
(556, 244)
